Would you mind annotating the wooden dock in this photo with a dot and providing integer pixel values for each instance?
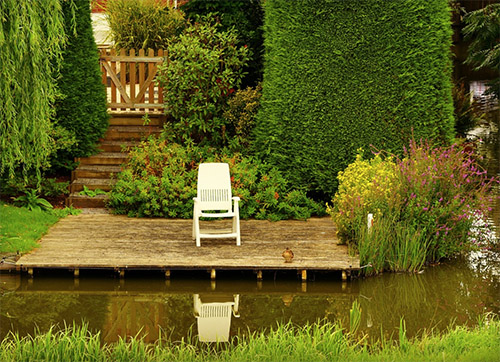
(119, 243)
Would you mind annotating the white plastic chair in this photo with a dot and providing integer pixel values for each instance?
(214, 194)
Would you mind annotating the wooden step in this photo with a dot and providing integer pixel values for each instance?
(104, 158)
(136, 121)
(81, 201)
(116, 146)
(130, 133)
(95, 171)
(104, 184)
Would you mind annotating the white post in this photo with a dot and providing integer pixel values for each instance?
(370, 222)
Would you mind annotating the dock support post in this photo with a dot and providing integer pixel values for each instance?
(304, 275)
(212, 274)
(167, 274)
(76, 272)
(259, 274)
(121, 272)
(30, 272)
(344, 275)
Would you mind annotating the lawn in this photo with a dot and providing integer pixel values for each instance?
(20, 228)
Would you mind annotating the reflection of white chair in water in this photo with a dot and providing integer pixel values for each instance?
(214, 318)
(214, 194)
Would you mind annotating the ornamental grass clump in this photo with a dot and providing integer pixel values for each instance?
(425, 205)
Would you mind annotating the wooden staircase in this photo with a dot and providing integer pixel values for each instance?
(97, 171)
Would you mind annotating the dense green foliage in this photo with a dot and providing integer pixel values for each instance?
(430, 204)
(81, 110)
(340, 75)
(143, 24)
(241, 116)
(160, 180)
(246, 17)
(483, 30)
(202, 70)
(31, 40)
(313, 342)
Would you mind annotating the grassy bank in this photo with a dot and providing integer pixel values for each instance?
(20, 228)
(316, 342)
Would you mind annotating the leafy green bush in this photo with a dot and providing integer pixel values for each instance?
(47, 187)
(32, 201)
(160, 180)
(143, 24)
(428, 200)
(202, 69)
(82, 109)
(246, 17)
(343, 75)
(241, 113)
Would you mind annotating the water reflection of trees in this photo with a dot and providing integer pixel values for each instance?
(24, 312)
(442, 295)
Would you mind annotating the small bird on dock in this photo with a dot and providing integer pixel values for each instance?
(288, 255)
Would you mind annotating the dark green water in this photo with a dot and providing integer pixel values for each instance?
(457, 291)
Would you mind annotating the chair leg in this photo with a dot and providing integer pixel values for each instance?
(236, 221)
(196, 230)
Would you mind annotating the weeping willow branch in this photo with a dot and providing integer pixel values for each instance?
(31, 42)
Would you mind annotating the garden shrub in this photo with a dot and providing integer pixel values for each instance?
(246, 17)
(143, 24)
(343, 75)
(201, 71)
(241, 115)
(438, 194)
(160, 180)
(82, 109)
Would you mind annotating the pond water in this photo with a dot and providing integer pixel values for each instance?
(456, 291)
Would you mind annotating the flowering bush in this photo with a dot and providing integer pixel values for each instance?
(438, 193)
(160, 180)
(201, 71)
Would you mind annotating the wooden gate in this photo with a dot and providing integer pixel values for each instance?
(130, 80)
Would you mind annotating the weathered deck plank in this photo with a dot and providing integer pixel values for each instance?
(108, 241)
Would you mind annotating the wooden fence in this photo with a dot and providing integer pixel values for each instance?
(130, 80)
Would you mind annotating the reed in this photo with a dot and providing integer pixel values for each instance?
(394, 246)
(319, 341)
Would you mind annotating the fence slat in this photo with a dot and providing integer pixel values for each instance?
(113, 70)
(141, 76)
(151, 75)
(132, 71)
(160, 89)
(123, 76)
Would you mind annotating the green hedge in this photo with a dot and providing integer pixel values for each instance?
(82, 108)
(343, 75)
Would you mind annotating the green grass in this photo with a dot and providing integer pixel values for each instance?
(20, 228)
(314, 342)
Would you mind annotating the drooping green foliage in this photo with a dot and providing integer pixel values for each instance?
(483, 30)
(81, 109)
(341, 75)
(143, 24)
(246, 17)
(31, 40)
(202, 70)
(160, 179)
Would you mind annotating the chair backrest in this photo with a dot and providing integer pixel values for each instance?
(214, 186)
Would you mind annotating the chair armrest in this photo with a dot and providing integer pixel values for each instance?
(236, 198)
